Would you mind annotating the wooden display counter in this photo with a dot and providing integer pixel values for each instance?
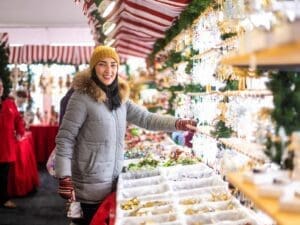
(268, 205)
(278, 48)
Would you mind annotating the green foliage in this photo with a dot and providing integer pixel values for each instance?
(193, 88)
(228, 35)
(273, 150)
(190, 88)
(98, 29)
(29, 80)
(285, 87)
(173, 59)
(190, 60)
(221, 130)
(189, 67)
(4, 71)
(192, 11)
(97, 2)
(231, 85)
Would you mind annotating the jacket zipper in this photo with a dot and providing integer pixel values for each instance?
(116, 142)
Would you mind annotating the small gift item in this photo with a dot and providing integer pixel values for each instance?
(74, 210)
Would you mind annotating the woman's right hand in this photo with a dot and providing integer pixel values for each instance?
(65, 189)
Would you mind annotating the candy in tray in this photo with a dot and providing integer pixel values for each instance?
(166, 219)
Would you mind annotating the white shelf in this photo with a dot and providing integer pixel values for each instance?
(252, 150)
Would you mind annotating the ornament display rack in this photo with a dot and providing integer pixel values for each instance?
(245, 93)
(268, 205)
(278, 48)
(254, 151)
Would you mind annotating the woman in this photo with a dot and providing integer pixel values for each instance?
(11, 127)
(90, 140)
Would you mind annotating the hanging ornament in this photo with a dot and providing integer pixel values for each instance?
(242, 83)
(234, 9)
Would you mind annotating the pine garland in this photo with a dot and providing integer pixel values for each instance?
(29, 80)
(186, 19)
(285, 87)
(4, 71)
(221, 130)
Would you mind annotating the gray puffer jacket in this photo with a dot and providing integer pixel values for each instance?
(90, 140)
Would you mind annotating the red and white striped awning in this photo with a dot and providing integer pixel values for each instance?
(4, 39)
(29, 54)
(139, 23)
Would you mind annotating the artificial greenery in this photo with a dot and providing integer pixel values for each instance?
(29, 80)
(193, 88)
(97, 2)
(186, 18)
(4, 71)
(177, 57)
(191, 60)
(189, 88)
(173, 59)
(285, 87)
(273, 150)
(173, 90)
(221, 130)
(228, 35)
(231, 85)
(98, 29)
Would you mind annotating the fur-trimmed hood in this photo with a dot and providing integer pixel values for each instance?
(84, 84)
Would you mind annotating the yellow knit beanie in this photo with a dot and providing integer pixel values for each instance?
(102, 52)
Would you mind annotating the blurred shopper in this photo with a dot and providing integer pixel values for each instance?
(90, 140)
(11, 128)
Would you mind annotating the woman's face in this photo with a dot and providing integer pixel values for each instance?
(106, 70)
(1, 88)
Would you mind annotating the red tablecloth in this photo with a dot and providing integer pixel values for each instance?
(44, 141)
(23, 175)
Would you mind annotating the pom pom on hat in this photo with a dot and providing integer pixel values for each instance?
(102, 52)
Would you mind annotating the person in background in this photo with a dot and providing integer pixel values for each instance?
(90, 140)
(53, 116)
(12, 127)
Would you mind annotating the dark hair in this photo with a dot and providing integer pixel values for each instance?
(21, 94)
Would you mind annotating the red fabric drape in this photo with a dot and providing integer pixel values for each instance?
(23, 175)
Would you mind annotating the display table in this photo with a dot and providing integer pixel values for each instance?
(23, 175)
(268, 205)
(44, 141)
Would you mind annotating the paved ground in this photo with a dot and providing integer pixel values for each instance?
(42, 207)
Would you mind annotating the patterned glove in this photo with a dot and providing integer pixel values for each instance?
(65, 189)
(186, 125)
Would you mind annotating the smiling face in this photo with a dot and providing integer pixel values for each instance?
(106, 70)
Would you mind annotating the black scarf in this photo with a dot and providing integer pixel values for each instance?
(111, 91)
